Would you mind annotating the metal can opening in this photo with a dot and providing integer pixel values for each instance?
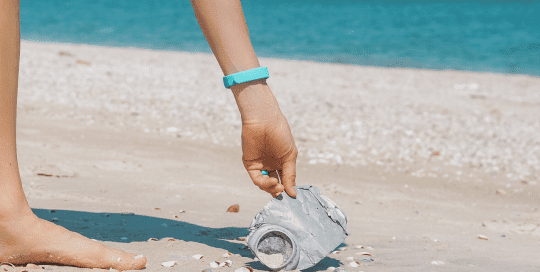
(274, 249)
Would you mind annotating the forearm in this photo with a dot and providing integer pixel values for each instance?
(225, 29)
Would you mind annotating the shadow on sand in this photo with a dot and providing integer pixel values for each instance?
(126, 228)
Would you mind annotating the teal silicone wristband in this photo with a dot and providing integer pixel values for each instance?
(245, 76)
(264, 172)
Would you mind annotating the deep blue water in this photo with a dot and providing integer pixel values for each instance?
(490, 36)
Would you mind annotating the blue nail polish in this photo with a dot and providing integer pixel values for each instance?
(264, 172)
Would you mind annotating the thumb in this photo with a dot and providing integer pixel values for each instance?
(288, 178)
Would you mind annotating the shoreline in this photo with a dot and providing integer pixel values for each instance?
(280, 59)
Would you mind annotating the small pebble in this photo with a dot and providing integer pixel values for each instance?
(197, 256)
(366, 259)
(168, 264)
(234, 208)
(364, 253)
(244, 269)
(481, 237)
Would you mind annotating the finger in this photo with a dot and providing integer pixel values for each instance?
(264, 182)
(278, 188)
(288, 178)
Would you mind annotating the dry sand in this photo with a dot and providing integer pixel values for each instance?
(421, 161)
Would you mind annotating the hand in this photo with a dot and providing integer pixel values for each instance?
(268, 145)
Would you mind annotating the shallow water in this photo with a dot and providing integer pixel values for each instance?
(500, 36)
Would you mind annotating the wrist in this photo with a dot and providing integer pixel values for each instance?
(255, 101)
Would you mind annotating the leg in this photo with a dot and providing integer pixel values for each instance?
(24, 238)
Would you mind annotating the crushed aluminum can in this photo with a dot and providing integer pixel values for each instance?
(297, 233)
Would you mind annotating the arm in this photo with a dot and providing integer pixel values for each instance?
(267, 142)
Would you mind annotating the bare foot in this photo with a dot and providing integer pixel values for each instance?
(33, 240)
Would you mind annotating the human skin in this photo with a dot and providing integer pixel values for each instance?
(266, 143)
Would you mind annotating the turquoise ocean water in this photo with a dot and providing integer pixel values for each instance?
(486, 36)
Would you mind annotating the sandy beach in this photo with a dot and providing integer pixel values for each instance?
(114, 143)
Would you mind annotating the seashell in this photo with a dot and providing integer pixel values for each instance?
(343, 248)
(182, 211)
(337, 252)
(364, 253)
(482, 237)
(138, 256)
(169, 264)
(228, 263)
(227, 254)
(175, 216)
(197, 256)
(222, 264)
(234, 208)
(152, 239)
(359, 246)
(214, 264)
(241, 238)
(353, 264)
(169, 239)
(157, 209)
(350, 259)
(244, 269)
(437, 262)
